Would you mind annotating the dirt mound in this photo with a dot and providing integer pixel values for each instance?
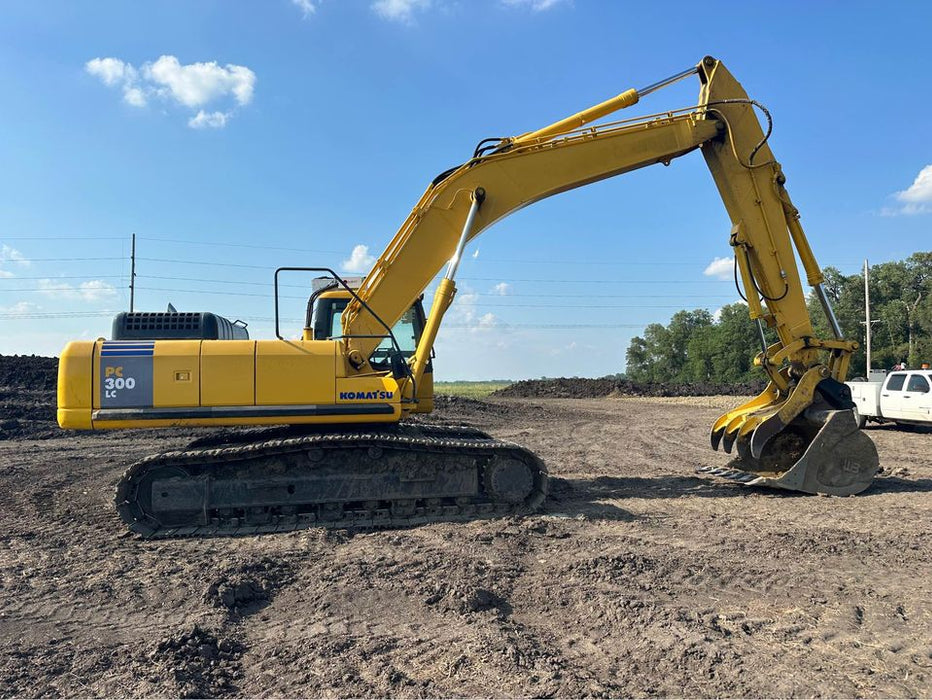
(28, 371)
(450, 406)
(27, 397)
(577, 388)
(243, 588)
(197, 664)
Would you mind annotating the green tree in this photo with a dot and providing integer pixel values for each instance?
(694, 347)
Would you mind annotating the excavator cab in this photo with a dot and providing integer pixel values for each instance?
(324, 321)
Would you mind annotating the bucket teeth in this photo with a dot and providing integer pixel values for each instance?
(715, 437)
(728, 440)
(764, 432)
(733, 430)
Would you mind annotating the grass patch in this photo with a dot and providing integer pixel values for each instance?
(471, 390)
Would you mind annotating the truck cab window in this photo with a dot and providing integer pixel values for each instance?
(896, 381)
(918, 383)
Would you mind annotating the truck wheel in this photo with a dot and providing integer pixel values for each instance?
(858, 418)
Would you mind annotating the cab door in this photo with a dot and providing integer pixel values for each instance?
(917, 398)
(891, 396)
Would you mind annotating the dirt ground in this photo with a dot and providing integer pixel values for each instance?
(638, 578)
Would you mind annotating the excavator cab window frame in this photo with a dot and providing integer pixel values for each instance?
(324, 312)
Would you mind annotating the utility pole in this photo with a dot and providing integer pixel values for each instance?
(867, 320)
(132, 280)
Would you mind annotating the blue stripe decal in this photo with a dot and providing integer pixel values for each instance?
(114, 345)
(121, 350)
(128, 353)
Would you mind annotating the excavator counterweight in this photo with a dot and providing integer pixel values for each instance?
(350, 387)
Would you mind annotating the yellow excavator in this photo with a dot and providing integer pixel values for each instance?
(364, 363)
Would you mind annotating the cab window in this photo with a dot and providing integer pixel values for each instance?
(336, 318)
(918, 383)
(406, 333)
(406, 336)
(896, 381)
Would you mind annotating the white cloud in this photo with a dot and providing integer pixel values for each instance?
(720, 268)
(307, 7)
(359, 260)
(917, 198)
(92, 290)
(112, 71)
(475, 254)
(196, 84)
(501, 289)
(192, 85)
(487, 320)
(95, 290)
(20, 308)
(209, 120)
(535, 5)
(399, 10)
(134, 96)
(464, 314)
(10, 255)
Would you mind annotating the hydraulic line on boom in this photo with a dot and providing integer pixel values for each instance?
(346, 384)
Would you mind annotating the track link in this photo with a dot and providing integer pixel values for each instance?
(398, 476)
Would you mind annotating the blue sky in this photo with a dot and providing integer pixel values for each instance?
(313, 127)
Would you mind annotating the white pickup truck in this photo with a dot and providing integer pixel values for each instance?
(904, 397)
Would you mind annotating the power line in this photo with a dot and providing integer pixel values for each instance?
(267, 319)
(217, 244)
(71, 259)
(478, 279)
(493, 305)
(55, 314)
(63, 238)
(242, 245)
(578, 281)
(68, 277)
(481, 294)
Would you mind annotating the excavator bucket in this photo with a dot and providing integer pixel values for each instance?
(840, 461)
(803, 442)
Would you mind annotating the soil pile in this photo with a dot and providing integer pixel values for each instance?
(27, 396)
(581, 388)
(29, 372)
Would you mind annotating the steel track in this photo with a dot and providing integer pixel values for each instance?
(415, 456)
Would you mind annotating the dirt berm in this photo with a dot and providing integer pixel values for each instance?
(583, 388)
(27, 396)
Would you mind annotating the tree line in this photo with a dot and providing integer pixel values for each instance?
(697, 346)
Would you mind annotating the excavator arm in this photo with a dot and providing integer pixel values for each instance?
(805, 393)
